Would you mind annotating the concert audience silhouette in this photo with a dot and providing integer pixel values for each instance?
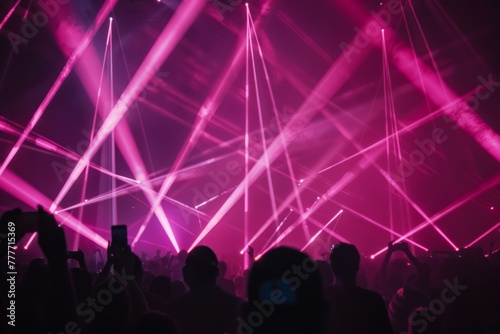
(285, 291)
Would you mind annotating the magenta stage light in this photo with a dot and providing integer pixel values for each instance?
(262, 134)
(379, 225)
(277, 228)
(123, 135)
(322, 229)
(246, 260)
(344, 132)
(7, 128)
(30, 240)
(168, 39)
(51, 146)
(9, 14)
(135, 187)
(494, 227)
(418, 209)
(347, 178)
(17, 187)
(462, 114)
(331, 82)
(329, 231)
(213, 198)
(203, 118)
(428, 81)
(429, 51)
(320, 225)
(280, 128)
(493, 182)
(101, 16)
(142, 228)
(286, 203)
(45, 145)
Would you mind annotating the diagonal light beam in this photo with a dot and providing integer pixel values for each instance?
(203, 118)
(28, 194)
(101, 16)
(333, 80)
(166, 42)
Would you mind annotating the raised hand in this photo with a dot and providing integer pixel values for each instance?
(51, 237)
(250, 252)
(124, 261)
(80, 257)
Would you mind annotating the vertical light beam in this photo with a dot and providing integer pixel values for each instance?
(333, 79)
(321, 230)
(101, 16)
(168, 39)
(28, 194)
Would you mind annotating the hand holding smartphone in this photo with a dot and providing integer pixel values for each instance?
(119, 239)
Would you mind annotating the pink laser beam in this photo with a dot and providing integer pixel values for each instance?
(101, 16)
(9, 14)
(338, 73)
(162, 48)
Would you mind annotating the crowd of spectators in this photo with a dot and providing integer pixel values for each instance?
(285, 291)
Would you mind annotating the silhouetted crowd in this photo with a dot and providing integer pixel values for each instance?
(284, 291)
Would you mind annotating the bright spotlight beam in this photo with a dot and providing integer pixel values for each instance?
(203, 118)
(450, 208)
(280, 128)
(9, 14)
(418, 209)
(321, 230)
(379, 225)
(28, 194)
(168, 39)
(121, 135)
(347, 178)
(89, 35)
(494, 227)
(329, 231)
(262, 134)
(276, 230)
(51, 146)
(284, 204)
(331, 82)
(428, 81)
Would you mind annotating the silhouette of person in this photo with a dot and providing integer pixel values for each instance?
(285, 295)
(153, 322)
(225, 284)
(354, 310)
(205, 308)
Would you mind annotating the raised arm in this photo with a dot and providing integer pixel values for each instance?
(62, 295)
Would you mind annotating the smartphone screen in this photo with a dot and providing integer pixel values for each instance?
(119, 236)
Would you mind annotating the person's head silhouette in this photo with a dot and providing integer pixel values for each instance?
(285, 294)
(200, 268)
(344, 260)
